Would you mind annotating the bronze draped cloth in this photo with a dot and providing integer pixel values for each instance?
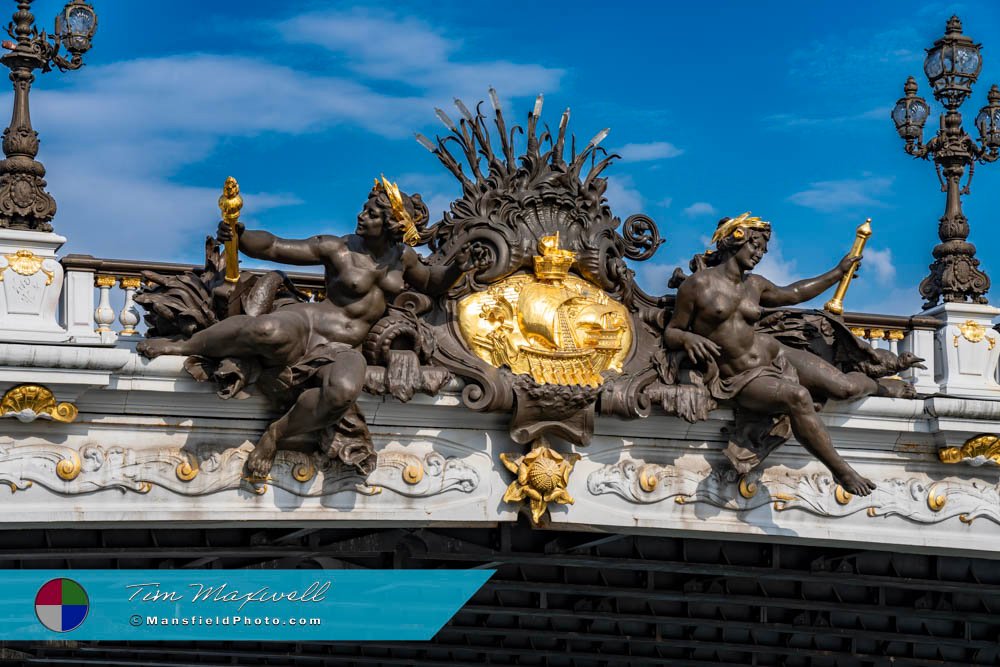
(753, 436)
(348, 440)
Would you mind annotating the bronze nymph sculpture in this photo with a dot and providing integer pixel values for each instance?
(526, 296)
(714, 324)
(309, 352)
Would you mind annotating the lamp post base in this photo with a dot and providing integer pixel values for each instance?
(954, 278)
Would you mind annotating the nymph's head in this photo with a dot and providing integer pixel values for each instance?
(744, 237)
(390, 212)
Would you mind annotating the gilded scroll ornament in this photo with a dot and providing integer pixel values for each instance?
(974, 332)
(553, 326)
(26, 263)
(303, 472)
(69, 468)
(981, 449)
(935, 501)
(542, 476)
(747, 487)
(28, 402)
(841, 495)
(187, 469)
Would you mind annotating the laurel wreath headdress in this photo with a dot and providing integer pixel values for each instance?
(735, 226)
(411, 236)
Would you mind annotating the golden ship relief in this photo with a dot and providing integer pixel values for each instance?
(553, 325)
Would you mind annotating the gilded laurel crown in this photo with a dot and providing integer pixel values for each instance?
(411, 236)
(737, 225)
(554, 262)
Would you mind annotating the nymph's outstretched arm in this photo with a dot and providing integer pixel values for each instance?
(772, 295)
(264, 245)
(438, 279)
(431, 280)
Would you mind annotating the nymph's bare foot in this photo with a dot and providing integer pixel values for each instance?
(262, 457)
(895, 388)
(854, 483)
(151, 348)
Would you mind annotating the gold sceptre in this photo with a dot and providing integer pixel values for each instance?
(836, 304)
(230, 204)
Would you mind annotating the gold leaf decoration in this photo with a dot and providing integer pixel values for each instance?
(985, 445)
(553, 325)
(26, 263)
(542, 476)
(28, 402)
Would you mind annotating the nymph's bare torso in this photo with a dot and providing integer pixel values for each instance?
(358, 287)
(725, 312)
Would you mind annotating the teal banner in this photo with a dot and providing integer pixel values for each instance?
(161, 605)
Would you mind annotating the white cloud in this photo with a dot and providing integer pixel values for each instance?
(788, 120)
(139, 122)
(414, 53)
(665, 202)
(700, 208)
(623, 197)
(843, 194)
(881, 262)
(894, 301)
(656, 150)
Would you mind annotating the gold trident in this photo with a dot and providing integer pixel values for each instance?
(230, 204)
(836, 304)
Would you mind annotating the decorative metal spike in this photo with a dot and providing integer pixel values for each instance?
(537, 113)
(494, 100)
(599, 137)
(425, 142)
(565, 120)
(463, 109)
(443, 117)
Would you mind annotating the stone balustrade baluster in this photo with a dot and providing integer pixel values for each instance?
(104, 315)
(894, 336)
(129, 317)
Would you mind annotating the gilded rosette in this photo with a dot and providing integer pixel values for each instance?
(542, 477)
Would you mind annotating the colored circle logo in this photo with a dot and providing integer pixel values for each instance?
(61, 605)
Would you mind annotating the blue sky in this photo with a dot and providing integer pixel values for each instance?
(716, 107)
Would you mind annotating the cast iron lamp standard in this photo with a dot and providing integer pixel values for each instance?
(952, 65)
(24, 203)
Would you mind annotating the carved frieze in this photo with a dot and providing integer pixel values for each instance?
(202, 471)
(916, 498)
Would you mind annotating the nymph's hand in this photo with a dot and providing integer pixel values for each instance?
(849, 260)
(224, 232)
(699, 348)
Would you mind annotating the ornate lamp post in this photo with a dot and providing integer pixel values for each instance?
(24, 203)
(952, 66)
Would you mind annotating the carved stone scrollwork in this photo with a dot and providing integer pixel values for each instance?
(917, 499)
(204, 471)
